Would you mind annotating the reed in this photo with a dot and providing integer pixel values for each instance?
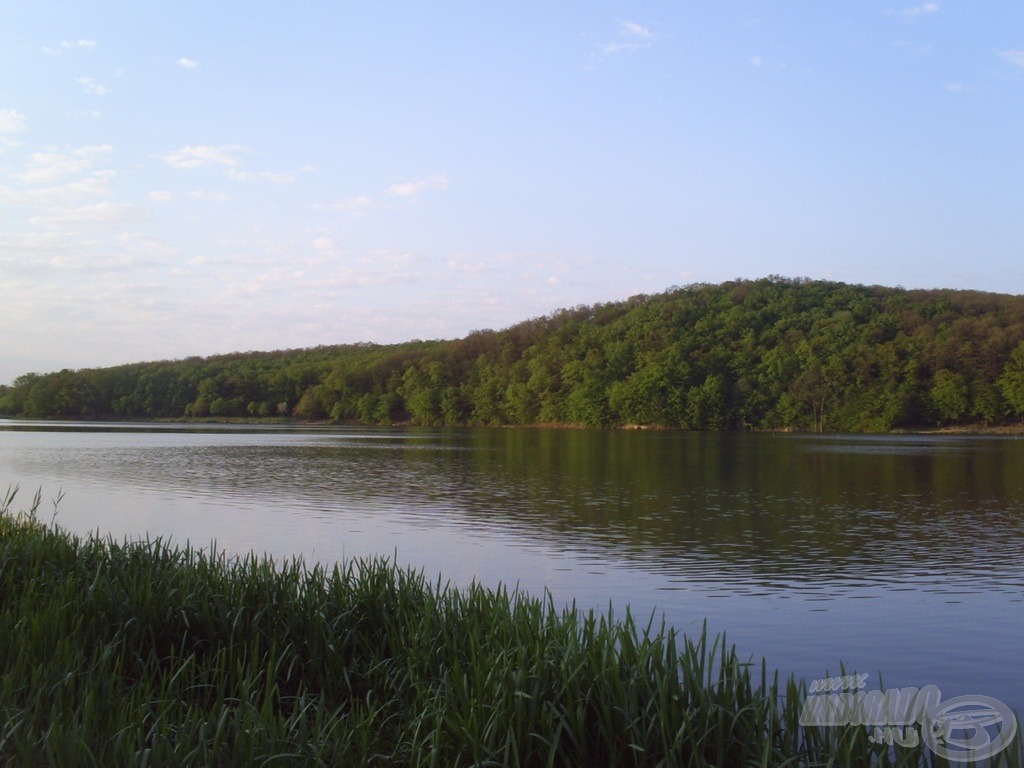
(142, 653)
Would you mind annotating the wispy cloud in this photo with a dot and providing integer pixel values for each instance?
(917, 10)
(187, 63)
(96, 185)
(632, 37)
(622, 47)
(357, 204)
(212, 197)
(414, 188)
(70, 45)
(634, 29)
(276, 178)
(12, 121)
(47, 166)
(100, 215)
(91, 86)
(1014, 57)
(146, 245)
(469, 264)
(203, 155)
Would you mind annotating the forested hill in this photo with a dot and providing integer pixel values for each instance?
(770, 353)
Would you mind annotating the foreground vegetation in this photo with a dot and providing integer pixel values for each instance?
(762, 354)
(149, 654)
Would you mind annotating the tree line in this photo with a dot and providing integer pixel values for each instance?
(774, 353)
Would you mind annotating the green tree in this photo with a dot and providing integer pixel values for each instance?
(586, 401)
(310, 407)
(207, 393)
(949, 396)
(810, 389)
(1011, 381)
(707, 404)
(986, 402)
(421, 389)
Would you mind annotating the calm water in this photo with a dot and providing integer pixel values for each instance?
(901, 556)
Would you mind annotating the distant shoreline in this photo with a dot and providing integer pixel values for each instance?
(981, 430)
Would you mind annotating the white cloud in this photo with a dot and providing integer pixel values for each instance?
(622, 47)
(90, 216)
(12, 121)
(101, 264)
(68, 45)
(213, 197)
(917, 10)
(389, 259)
(1014, 57)
(413, 188)
(633, 37)
(202, 156)
(142, 244)
(96, 185)
(632, 28)
(91, 86)
(29, 243)
(276, 178)
(408, 188)
(47, 166)
(469, 264)
(162, 196)
(955, 87)
(187, 63)
(360, 203)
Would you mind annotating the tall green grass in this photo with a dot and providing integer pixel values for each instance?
(147, 654)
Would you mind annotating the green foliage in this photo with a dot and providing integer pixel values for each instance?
(140, 653)
(949, 396)
(762, 354)
(706, 405)
(1011, 382)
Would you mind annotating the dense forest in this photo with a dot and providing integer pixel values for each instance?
(773, 353)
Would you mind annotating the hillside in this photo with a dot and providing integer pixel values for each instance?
(773, 353)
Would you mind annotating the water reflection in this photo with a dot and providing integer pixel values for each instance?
(810, 549)
(792, 512)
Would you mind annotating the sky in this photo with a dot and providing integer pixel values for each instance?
(184, 178)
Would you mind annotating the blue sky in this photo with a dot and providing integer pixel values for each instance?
(181, 178)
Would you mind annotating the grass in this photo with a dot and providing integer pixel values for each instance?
(143, 653)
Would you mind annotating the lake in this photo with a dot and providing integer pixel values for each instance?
(900, 556)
